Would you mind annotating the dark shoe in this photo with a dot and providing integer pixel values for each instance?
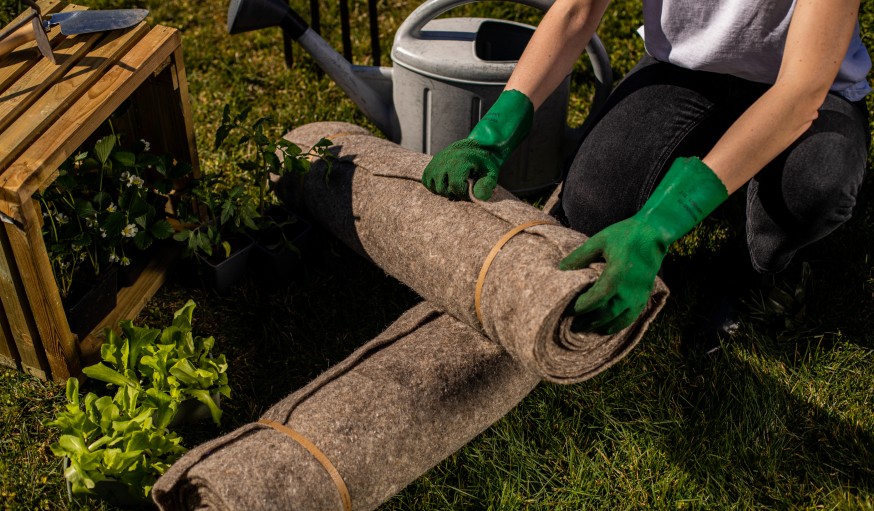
(780, 303)
(718, 327)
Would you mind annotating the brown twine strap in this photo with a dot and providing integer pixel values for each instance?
(319, 455)
(480, 281)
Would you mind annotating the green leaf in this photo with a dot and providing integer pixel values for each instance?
(84, 209)
(258, 125)
(138, 338)
(182, 235)
(164, 405)
(103, 148)
(73, 391)
(228, 210)
(205, 397)
(102, 200)
(194, 240)
(287, 145)
(113, 224)
(271, 159)
(127, 398)
(124, 357)
(71, 446)
(244, 113)
(118, 461)
(104, 413)
(125, 158)
(138, 207)
(161, 229)
(155, 365)
(195, 378)
(110, 351)
(227, 247)
(220, 135)
(183, 317)
(81, 480)
(142, 240)
(103, 373)
(205, 245)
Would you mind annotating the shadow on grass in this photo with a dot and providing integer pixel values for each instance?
(745, 434)
(779, 413)
(278, 337)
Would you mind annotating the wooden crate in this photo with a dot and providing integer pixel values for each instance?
(46, 112)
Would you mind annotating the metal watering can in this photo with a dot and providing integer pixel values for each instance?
(448, 72)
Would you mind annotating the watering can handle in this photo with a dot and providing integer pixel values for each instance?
(598, 58)
(412, 26)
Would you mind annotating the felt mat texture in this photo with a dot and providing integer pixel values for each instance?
(374, 201)
(384, 416)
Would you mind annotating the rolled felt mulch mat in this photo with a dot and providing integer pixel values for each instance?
(492, 265)
(361, 431)
(432, 381)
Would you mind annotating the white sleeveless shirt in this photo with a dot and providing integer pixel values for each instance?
(744, 38)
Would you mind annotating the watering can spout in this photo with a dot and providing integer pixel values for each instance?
(368, 87)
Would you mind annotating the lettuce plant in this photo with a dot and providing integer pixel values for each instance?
(113, 438)
(168, 366)
(125, 437)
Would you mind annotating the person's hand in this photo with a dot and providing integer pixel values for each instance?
(481, 155)
(633, 251)
(634, 248)
(447, 173)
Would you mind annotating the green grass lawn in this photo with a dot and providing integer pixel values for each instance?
(781, 419)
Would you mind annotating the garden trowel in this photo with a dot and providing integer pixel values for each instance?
(34, 26)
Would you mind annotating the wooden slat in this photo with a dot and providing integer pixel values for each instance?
(131, 300)
(29, 87)
(29, 251)
(164, 111)
(17, 312)
(19, 61)
(8, 351)
(185, 105)
(39, 163)
(53, 103)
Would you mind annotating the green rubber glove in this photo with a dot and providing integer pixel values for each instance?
(634, 248)
(482, 154)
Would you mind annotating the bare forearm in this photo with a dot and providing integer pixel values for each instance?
(818, 38)
(764, 131)
(557, 43)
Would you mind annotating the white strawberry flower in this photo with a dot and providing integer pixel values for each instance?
(129, 231)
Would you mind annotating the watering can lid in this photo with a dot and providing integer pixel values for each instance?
(446, 49)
